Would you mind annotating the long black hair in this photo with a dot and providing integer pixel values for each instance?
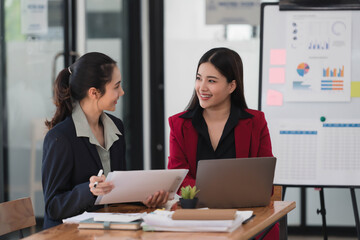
(93, 69)
(229, 64)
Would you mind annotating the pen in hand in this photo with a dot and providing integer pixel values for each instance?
(99, 175)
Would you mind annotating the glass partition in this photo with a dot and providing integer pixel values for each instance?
(30, 49)
(105, 30)
(34, 40)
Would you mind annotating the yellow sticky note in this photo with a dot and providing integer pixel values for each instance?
(355, 89)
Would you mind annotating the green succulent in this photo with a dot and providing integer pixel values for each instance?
(188, 192)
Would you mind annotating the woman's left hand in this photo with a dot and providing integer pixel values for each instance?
(157, 199)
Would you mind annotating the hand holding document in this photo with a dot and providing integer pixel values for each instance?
(136, 186)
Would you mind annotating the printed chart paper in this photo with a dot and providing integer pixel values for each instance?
(319, 57)
(317, 152)
(293, 162)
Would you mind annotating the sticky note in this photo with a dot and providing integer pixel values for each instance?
(276, 75)
(278, 56)
(355, 89)
(274, 98)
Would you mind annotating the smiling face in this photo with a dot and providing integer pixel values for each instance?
(212, 88)
(113, 91)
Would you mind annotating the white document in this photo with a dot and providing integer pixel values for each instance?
(84, 216)
(136, 186)
(110, 217)
(318, 57)
(162, 221)
(312, 152)
(295, 144)
(119, 217)
(34, 16)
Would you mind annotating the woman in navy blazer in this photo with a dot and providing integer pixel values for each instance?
(217, 123)
(82, 139)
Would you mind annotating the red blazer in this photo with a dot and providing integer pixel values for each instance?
(252, 139)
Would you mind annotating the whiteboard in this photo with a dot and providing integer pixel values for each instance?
(309, 92)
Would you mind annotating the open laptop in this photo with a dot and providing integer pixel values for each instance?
(235, 183)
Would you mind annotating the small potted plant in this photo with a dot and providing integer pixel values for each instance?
(188, 199)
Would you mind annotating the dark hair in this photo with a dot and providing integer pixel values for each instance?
(91, 70)
(229, 64)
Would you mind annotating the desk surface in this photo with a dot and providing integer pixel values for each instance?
(265, 216)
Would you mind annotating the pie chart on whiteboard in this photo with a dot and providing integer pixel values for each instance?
(302, 69)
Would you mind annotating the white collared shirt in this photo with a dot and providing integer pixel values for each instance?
(83, 129)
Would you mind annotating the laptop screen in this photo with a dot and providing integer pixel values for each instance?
(235, 183)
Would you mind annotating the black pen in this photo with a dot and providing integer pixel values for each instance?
(247, 220)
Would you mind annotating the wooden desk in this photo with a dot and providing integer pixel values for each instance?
(265, 216)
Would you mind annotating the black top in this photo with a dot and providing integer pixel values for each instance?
(68, 163)
(226, 146)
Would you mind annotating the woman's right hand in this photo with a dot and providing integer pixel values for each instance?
(102, 187)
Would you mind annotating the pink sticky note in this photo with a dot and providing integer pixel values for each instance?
(274, 98)
(277, 56)
(276, 75)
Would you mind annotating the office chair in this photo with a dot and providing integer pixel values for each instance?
(16, 215)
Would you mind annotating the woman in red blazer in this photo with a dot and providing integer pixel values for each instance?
(217, 123)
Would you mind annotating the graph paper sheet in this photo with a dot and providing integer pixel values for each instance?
(322, 153)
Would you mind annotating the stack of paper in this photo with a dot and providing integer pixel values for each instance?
(105, 216)
(83, 216)
(129, 221)
(161, 220)
(91, 223)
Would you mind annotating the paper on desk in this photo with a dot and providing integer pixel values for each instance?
(119, 217)
(136, 186)
(111, 217)
(81, 217)
(162, 221)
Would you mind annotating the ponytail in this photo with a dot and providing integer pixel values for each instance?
(62, 98)
(93, 69)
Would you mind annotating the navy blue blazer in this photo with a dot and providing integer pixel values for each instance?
(67, 164)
